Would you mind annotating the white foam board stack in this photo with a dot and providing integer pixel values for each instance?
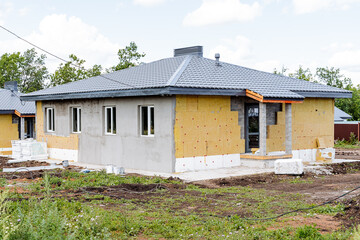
(29, 149)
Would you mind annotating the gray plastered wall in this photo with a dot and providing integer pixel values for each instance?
(127, 148)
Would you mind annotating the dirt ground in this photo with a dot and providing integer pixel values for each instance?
(26, 174)
(5, 164)
(318, 188)
(346, 153)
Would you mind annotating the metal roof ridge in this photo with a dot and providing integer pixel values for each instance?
(175, 77)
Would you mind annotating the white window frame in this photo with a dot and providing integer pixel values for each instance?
(50, 111)
(78, 122)
(113, 130)
(149, 107)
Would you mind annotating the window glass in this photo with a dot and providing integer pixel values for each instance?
(50, 126)
(147, 118)
(152, 130)
(76, 120)
(114, 120)
(53, 119)
(79, 117)
(144, 120)
(110, 120)
(49, 119)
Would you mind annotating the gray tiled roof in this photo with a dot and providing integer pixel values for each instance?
(340, 115)
(10, 102)
(192, 72)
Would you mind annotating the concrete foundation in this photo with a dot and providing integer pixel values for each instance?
(309, 155)
(289, 166)
(256, 163)
(63, 154)
(206, 162)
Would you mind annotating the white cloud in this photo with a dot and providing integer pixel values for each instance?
(236, 51)
(308, 6)
(347, 59)
(355, 76)
(222, 11)
(239, 51)
(335, 46)
(268, 65)
(5, 10)
(62, 36)
(147, 3)
(23, 11)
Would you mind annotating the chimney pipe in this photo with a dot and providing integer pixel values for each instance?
(217, 57)
(11, 85)
(194, 50)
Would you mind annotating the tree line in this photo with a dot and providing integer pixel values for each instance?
(28, 69)
(332, 77)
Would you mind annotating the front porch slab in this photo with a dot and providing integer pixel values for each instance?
(267, 157)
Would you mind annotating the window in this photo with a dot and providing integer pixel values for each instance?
(76, 119)
(110, 120)
(50, 119)
(147, 120)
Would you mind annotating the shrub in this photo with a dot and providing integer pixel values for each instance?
(353, 139)
(356, 234)
(307, 232)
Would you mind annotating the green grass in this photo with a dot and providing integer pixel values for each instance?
(298, 181)
(61, 180)
(345, 144)
(192, 213)
(3, 182)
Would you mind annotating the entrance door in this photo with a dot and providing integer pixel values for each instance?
(252, 126)
(29, 127)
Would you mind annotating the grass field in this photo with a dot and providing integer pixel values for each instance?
(96, 205)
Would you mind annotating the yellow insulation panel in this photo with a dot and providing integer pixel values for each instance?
(312, 119)
(205, 125)
(9, 131)
(62, 142)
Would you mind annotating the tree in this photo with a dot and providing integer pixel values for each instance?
(282, 72)
(28, 69)
(128, 57)
(350, 105)
(332, 77)
(34, 72)
(302, 73)
(72, 71)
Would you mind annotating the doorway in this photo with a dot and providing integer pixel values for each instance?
(29, 127)
(252, 126)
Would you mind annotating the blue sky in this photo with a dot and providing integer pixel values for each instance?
(263, 34)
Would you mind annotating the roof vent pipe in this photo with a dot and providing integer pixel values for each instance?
(217, 57)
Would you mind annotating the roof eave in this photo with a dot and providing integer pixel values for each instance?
(174, 91)
(136, 93)
(325, 94)
(7, 111)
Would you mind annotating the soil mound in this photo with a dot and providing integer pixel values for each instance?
(344, 167)
(5, 164)
(351, 217)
